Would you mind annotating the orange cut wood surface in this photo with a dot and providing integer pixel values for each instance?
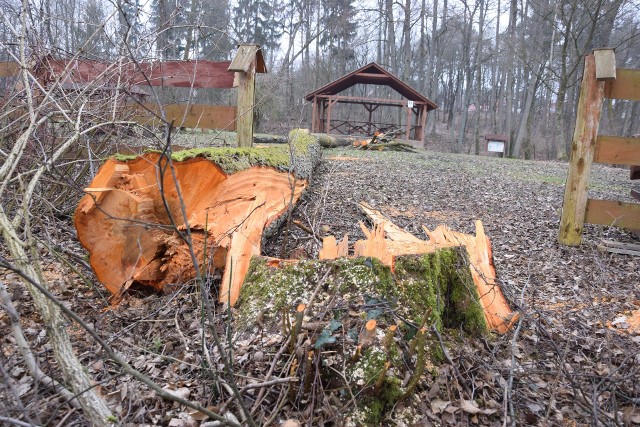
(130, 229)
(387, 241)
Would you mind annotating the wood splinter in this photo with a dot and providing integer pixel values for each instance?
(386, 241)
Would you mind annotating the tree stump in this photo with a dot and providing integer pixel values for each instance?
(149, 221)
(363, 331)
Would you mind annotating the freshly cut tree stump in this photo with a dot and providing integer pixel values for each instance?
(139, 212)
(387, 242)
(353, 324)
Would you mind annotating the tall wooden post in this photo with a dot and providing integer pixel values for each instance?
(246, 98)
(583, 148)
(247, 62)
(423, 123)
(407, 135)
(328, 129)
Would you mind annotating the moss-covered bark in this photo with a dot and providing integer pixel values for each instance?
(393, 364)
(299, 157)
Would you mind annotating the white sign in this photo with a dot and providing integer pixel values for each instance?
(410, 104)
(495, 147)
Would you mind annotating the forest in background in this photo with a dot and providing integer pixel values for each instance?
(492, 66)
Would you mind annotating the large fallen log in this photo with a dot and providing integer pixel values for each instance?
(387, 242)
(325, 140)
(145, 220)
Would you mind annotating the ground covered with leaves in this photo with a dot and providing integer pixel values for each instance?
(573, 358)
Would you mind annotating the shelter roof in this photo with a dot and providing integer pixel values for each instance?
(372, 74)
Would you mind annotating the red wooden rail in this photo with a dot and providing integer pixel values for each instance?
(196, 74)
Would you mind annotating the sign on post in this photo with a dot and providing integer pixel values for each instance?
(496, 143)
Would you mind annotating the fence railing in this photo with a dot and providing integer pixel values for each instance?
(118, 79)
(601, 79)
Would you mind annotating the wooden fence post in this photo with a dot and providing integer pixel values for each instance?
(583, 148)
(246, 98)
(247, 62)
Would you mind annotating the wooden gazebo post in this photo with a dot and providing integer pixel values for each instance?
(314, 115)
(247, 62)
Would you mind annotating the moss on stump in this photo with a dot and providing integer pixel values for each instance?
(298, 157)
(333, 349)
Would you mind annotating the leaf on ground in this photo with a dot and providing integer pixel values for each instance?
(324, 338)
(471, 407)
(438, 406)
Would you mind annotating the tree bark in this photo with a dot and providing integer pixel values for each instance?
(526, 111)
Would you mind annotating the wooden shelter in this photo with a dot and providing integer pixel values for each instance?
(412, 102)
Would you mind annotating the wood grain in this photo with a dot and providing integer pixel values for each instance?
(613, 213)
(617, 150)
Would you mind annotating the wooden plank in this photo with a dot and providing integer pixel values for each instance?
(620, 245)
(197, 74)
(621, 251)
(364, 100)
(617, 150)
(613, 213)
(197, 116)
(625, 86)
(9, 69)
(582, 152)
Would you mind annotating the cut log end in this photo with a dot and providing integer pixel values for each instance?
(142, 229)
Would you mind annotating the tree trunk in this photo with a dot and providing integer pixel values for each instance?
(406, 45)
(390, 46)
(526, 111)
(400, 292)
(478, 77)
(509, 89)
(211, 206)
